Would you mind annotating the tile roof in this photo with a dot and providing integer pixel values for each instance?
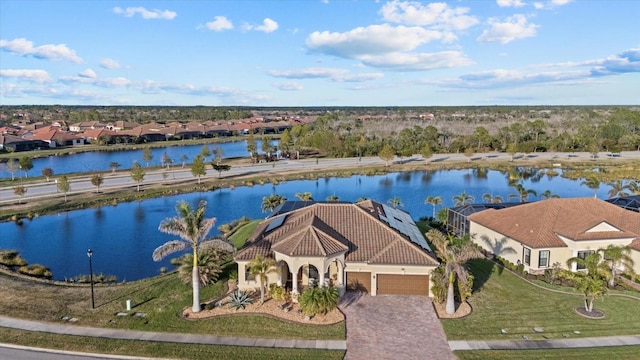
(540, 223)
(326, 229)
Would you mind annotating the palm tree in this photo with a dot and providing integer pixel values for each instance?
(396, 202)
(453, 259)
(269, 203)
(616, 257)
(547, 194)
(209, 265)
(304, 196)
(490, 199)
(192, 228)
(523, 193)
(634, 187)
(617, 189)
(333, 198)
(463, 199)
(434, 201)
(593, 183)
(591, 284)
(261, 268)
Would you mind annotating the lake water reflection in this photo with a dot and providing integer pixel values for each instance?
(100, 160)
(123, 237)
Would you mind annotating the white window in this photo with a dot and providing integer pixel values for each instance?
(543, 258)
(526, 256)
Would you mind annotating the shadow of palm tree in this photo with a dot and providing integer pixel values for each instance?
(498, 248)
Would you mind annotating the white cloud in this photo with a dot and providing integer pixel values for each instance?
(106, 82)
(110, 64)
(436, 15)
(220, 23)
(90, 74)
(268, 26)
(510, 3)
(38, 76)
(550, 4)
(417, 62)
(374, 39)
(146, 14)
(309, 73)
(567, 73)
(289, 86)
(358, 77)
(25, 47)
(513, 28)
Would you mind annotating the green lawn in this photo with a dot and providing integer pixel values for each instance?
(158, 349)
(615, 352)
(240, 236)
(161, 299)
(504, 301)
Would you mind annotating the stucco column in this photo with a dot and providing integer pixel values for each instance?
(321, 276)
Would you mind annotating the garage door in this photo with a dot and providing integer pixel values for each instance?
(359, 281)
(389, 284)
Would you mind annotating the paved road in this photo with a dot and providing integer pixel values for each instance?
(123, 180)
(15, 352)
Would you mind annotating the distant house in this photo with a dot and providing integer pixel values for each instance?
(86, 125)
(16, 143)
(542, 233)
(55, 137)
(365, 246)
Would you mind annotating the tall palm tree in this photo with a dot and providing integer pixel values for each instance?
(304, 196)
(463, 199)
(262, 267)
(396, 202)
(333, 198)
(192, 228)
(269, 203)
(523, 194)
(453, 259)
(434, 201)
(593, 183)
(617, 257)
(617, 189)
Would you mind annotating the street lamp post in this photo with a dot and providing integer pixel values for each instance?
(89, 254)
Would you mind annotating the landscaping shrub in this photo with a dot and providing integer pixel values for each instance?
(319, 300)
(276, 292)
(240, 299)
(439, 285)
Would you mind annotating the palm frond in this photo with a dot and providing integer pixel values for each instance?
(174, 226)
(218, 244)
(168, 248)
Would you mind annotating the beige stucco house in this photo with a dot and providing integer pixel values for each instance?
(364, 246)
(542, 233)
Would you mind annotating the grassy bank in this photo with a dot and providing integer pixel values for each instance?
(615, 352)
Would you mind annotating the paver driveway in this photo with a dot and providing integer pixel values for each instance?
(393, 327)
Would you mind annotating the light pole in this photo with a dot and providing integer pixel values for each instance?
(89, 254)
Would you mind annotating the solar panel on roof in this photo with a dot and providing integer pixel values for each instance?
(404, 224)
(276, 223)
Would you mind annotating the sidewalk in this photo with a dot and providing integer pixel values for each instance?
(462, 345)
(170, 337)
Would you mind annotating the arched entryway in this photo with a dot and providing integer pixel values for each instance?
(308, 275)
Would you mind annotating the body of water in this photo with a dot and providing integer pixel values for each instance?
(101, 160)
(123, 237)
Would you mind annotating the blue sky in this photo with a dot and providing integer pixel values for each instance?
(320, 53)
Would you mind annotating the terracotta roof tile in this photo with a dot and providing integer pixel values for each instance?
(539, 224)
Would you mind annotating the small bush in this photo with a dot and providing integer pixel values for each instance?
(276, 292)
(209, 306)
(240, 299)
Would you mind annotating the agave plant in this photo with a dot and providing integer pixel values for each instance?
(240, 300)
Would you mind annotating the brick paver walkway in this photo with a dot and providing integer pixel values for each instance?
(393, 327)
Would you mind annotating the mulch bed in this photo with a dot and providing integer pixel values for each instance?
(462, 310)
(270, 308)
(594, 314)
